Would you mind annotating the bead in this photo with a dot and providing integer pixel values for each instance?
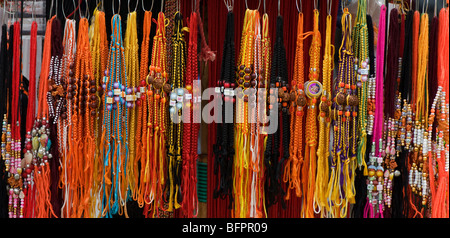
(173, 96)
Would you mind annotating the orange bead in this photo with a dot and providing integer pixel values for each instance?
(347, 86)
(322, 114)
(347, 114)
(370, 113)
(189, 87)
(163, 100)
(353, 87)
(355, 114)
(341, 84)
(314, 100)
(157, 96)
(340, 113)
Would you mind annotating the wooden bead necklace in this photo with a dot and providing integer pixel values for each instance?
(241, 165)
(83, 106)
(345, 100)
(157, 93)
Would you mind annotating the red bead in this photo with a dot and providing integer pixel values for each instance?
(138, 102)
(227, 85)
(143, 83)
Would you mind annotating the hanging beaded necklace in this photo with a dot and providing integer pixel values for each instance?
(99, 51)
(241, 171)
(255, 111)
(132, 67)
(421, 114)
(298, 98)
(361, 50)
(143, 154)
(13, 165)
(339, 190)
(190, 126)
(439, 191)
(115, 119)
(56, 105)
(157, 94)
(65, 124)
(322, 177)
(224, 148)
(264, 80)
(392, 105)
(175, 138)
(83, 116)
(43, 208)
(26, 164)
(4, 90)
(375, 168)
(273, 159)
(313, 89)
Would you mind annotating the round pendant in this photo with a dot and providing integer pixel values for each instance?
(313, 89)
